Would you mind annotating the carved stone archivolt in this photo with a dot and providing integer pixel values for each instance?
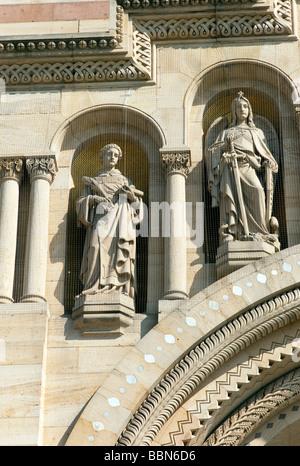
(273, 398)
(203, 360)
(224, 390)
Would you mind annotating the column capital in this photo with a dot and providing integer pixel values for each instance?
(11, 168)
(177, 160)
(41, 167)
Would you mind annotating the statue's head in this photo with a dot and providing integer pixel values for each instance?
(236, 105)
(108, 149)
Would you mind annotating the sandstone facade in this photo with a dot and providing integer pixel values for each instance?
(206, 358)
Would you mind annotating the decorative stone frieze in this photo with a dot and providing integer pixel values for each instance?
(84, 66)
(199, 20)
(212, 26)
(145, 4)
(76, 59)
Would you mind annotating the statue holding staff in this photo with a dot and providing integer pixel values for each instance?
(240, 170)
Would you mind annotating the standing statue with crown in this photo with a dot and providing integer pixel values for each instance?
(241, 170)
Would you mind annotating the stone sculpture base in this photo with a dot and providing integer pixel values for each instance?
(104, 315)
(236, 254)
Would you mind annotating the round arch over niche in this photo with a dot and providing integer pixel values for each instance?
(236, 74)
(95, 121)
(273, 96)
(76, 145)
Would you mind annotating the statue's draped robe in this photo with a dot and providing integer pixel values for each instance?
(110, 243)
(252, 152)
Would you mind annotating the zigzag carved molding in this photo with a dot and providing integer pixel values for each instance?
(203, 360)
(257, 410)
(207, 407)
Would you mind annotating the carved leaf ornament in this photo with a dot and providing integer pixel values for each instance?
(176, 162)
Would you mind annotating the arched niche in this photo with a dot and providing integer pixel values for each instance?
(273, 96)
(77, 146)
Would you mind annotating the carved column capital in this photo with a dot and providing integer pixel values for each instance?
(176, 161)
(11, 168)
(44, 168)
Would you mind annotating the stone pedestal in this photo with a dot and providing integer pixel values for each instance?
(104, 315)
(236, 254)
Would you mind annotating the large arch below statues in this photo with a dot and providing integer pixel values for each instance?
(183, 353)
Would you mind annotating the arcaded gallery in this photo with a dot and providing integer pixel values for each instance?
(149, 223)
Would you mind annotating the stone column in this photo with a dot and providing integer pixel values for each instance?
(297, 116)
(176, 164)
(41, 171)
(11, 172)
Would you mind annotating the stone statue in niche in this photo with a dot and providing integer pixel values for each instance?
(241, 170)
(110, 207)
